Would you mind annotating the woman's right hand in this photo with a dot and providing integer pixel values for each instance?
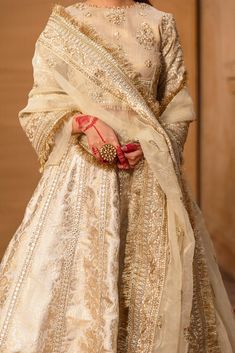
(98, 133)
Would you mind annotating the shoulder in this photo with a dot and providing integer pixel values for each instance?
(158, 15)
(158, 19)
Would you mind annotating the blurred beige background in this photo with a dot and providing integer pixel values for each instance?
(207, 30)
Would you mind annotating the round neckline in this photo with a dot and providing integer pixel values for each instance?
(136, 3)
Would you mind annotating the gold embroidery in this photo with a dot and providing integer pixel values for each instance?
(99, 73)
(148, 63)
(85, 5)
(173, 74)
(116, 16)
(142, 8)
(53, 326)
(47, 143)
(54, 177)
(202, 333)
(146, 237)
(145, 36)
(177, 132)
(41, 129)
(159, 322)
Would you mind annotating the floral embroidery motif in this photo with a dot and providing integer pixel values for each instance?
(116, 15)
(96, 96)
(142, 8)
(145, 36)
(99, 73)
(148, 63)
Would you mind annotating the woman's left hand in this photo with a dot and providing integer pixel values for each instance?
(133, 153)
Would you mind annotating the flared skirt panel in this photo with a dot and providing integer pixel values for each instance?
(60, 277)
(59, 273)
(86, 269)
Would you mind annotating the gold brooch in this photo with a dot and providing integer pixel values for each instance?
(108, 152)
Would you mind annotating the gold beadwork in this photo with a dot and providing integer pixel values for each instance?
(84, 5)
(99, 73)
(148, 63)
(145, 36)
(116, 16)
(159, 322)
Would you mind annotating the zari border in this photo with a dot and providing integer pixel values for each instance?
(49, 139)
(202, 332)
(146, 252)
(54, 174)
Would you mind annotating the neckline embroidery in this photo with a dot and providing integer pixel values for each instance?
(86, 5)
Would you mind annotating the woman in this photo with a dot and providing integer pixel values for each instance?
(112, 254)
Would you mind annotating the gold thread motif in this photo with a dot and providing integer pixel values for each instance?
(84, 5)
(53, 327)
(54, 177)
(145, 36)
(148, 63)
(140, 294)
(177, 132)
(173, 74)
(116, 16)
(49, 140)
(41, 128)
(202, 333)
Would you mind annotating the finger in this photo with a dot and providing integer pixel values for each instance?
(123, 166)
(121, 155)
(134, 162)
(133, 155)
(96, 153)
(130, 147)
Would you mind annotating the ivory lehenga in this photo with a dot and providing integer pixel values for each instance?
(110, 261)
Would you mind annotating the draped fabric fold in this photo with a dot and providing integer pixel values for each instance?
(41, 121)
(71, 62)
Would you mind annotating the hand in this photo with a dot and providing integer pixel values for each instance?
(98, 133)
(133, 153)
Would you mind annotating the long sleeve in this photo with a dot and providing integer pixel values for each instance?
(49, 109)
(172, 92)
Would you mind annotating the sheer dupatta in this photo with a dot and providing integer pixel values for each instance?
(70, 61)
